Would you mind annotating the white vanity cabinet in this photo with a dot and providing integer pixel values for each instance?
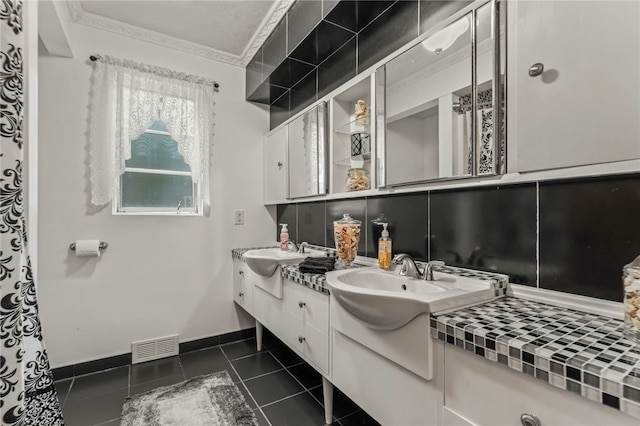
(582, 108)
(242, 290)
(481, 393)
(301, 320)
(275, 166)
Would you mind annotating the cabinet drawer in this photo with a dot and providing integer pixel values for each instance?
(485, 393)
(306, 304)
(308, 342)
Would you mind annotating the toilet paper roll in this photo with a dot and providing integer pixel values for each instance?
(88, 248)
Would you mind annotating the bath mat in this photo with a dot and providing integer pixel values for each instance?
(211, 400)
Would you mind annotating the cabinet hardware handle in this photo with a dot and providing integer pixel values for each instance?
(240, 272)
(301, 304)
(301, 339)
(280, 164)
(529, 420)
(536, 69)
(241, 294)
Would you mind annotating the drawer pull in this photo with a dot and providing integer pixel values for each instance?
(529, 420)
(301, 304)
(301, 339)
(241, 294)
(240, 273)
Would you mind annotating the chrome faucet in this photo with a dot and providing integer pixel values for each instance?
(408, 266)
(292, 243)
(428, 270)
(298, 248)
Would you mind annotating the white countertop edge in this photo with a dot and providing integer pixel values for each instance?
(591, 305)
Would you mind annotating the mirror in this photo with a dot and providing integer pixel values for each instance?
(307, 153)
(437, 120)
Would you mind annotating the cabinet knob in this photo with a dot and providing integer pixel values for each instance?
(241, 294)
(280, 164)
(301, 304)
(536, 69)
(529, 420)
(301, 339)
(240, 273)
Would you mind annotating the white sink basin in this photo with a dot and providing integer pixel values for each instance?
(385, 300)
(265, 261)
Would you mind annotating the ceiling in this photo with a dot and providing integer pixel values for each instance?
(230, 31)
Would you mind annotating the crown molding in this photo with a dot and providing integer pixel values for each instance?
(277, 12)
(280, 8)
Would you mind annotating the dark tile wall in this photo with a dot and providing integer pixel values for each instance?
(341, 39)
(589, 229)
(337, 68)
(397, 26)
(582, 230)
(491, 228)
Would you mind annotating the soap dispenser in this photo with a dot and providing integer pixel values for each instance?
(384, 249)
(284, 237)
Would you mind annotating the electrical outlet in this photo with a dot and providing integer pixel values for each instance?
(238, 217)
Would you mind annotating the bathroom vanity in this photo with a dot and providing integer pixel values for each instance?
(502, 361)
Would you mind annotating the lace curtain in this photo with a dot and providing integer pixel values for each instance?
(126, 99)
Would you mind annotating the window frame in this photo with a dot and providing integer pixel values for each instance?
(119, 210)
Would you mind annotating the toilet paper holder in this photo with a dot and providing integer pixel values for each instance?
(103, 245)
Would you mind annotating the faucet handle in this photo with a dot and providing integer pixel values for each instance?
(302, 246)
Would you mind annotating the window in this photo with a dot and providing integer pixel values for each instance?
(150, 138)
(156, 178)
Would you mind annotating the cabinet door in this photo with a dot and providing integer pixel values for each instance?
(483, 393)
(275, 166)
(307, 147)
(584, 107)
(242, 291)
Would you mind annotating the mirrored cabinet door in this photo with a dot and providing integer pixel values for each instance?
(307, 153)
(435, 113)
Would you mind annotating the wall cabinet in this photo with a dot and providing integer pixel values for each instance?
(295, 160)
(441, 103)
(275, 166)
(478, 392)
(574, 80)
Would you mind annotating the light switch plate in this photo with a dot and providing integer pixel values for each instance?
(238, 217)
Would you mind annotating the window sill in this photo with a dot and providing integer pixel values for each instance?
(185, 214)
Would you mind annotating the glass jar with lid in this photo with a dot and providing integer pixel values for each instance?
(347, 237)
(631, 282)
(357, 179)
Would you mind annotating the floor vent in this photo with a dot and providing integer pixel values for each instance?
(148, 350)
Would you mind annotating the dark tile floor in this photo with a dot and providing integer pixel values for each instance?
(278, 385)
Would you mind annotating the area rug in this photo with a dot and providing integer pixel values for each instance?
(211, 400)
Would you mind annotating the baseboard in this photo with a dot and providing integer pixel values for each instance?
(88, 367)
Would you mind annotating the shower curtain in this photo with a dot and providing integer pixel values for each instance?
(27, 393)
(485, 144)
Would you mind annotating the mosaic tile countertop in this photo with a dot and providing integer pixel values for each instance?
(579, 352)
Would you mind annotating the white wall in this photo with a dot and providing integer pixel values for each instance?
(160, 275)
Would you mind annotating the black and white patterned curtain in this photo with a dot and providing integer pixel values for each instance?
(27, 393)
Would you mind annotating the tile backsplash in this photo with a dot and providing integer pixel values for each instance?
(571, 235)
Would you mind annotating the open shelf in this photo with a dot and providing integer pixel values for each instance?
(347, 161)
(358, 125)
